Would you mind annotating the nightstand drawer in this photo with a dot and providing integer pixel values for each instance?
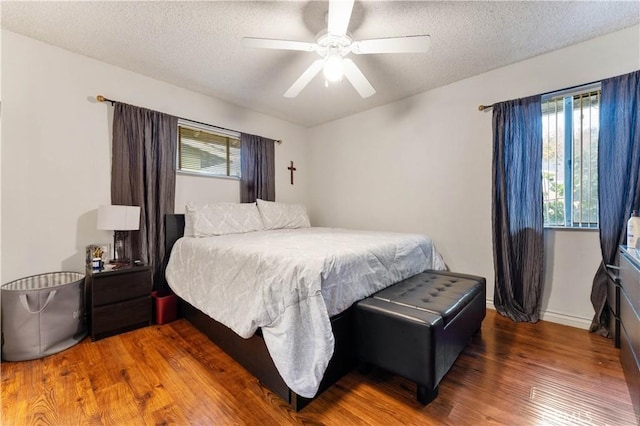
(116, 288)
(113, 319)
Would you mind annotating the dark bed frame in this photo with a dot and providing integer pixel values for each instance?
(252, 353)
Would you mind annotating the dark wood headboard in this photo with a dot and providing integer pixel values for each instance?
(173, 229)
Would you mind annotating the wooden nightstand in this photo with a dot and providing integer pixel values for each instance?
(118, 300)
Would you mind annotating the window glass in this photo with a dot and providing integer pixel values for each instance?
(570, 125)
(207, 151)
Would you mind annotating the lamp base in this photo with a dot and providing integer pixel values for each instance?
(119, 248)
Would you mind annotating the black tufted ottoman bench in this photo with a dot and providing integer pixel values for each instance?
(418, 327)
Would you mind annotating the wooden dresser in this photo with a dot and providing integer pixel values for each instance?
(629, 314)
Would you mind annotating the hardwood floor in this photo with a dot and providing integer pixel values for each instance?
(511, 374)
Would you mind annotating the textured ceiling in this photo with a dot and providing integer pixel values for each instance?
(196, 45)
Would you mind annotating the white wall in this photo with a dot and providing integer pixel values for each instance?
(56, 144)
(423, 164)
(1, 156)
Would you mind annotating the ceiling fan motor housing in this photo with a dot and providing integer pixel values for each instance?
(330, 43)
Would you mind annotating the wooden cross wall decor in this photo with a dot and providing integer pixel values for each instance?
(292, 169)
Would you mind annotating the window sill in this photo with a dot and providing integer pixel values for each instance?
(204, 175)
(569, 228)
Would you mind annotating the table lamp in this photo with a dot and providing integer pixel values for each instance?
(120, 220)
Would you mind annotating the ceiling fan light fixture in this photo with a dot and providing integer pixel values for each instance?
(333, 68)
(334, 45)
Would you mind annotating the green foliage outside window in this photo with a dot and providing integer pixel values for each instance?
(553, 200)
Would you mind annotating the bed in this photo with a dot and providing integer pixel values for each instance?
(293, 289)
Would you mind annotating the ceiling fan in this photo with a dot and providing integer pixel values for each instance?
(333, 46)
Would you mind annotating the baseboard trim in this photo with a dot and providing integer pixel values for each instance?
(570, 320)
(558, 318)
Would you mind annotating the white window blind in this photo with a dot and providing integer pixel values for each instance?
(208, 151)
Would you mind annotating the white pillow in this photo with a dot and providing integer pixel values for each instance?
(283, 216)
(206, 220)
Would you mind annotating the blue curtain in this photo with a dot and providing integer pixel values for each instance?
(517, 208)
(257, 169)
(618, 177)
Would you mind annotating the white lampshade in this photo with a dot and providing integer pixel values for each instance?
(119, 218)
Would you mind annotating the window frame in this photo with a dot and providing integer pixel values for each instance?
(213, 130)
(567, 97)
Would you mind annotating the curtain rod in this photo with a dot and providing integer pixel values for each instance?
(483, 107)
(101, 98)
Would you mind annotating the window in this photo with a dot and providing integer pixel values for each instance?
(208, 150)
(570, 124)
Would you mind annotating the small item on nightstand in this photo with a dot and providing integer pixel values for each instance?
(138, 262)
(96, 263)
(633, 230)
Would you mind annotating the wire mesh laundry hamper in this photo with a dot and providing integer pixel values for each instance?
(42, 315)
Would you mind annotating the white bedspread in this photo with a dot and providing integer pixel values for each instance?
(289, 282)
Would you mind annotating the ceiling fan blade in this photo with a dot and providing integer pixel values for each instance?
(339, 16)
(304, 79)
(357, 79)
(270, 43)
(408, 44)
